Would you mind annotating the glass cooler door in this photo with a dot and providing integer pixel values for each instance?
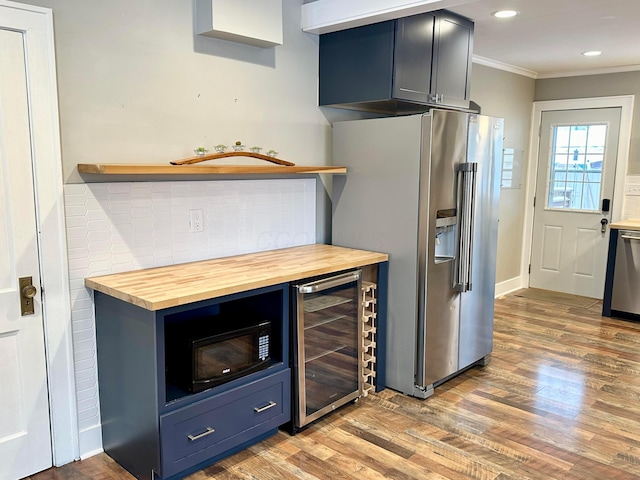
(327, 364)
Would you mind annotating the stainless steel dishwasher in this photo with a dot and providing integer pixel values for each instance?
(327, 345)
(625, 296)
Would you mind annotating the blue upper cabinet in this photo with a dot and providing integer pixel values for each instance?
(413, 58)
(453, 52)
(398, 66)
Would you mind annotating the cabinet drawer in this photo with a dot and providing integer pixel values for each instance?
(205, 429)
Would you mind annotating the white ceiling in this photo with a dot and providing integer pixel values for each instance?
(547, 37)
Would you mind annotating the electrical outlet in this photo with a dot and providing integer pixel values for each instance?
(196, 223)
(632, 189)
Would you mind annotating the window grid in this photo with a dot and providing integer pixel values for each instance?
(576, 167)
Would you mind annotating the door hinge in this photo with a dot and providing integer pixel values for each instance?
(534, 201)
(529, 268)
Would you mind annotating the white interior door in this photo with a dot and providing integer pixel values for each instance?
(25, 436)
(576, 172)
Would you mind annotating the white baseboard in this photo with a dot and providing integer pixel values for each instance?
(508, 286)
(90, 442)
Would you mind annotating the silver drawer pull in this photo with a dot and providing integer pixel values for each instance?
(266, 407)
(208, 431)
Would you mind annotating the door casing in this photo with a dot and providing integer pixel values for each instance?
(50, 221)
(625, 102)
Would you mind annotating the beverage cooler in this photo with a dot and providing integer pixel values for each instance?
(327, 345)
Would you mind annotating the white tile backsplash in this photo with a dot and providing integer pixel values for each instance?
(115, 227)
(631, 202)
(632, 207)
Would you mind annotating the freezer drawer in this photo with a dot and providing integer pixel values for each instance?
(626, 276)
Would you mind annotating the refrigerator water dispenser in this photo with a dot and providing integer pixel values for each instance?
(445, 242)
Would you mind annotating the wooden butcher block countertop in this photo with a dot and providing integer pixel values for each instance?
(627, 225)
(163, 287)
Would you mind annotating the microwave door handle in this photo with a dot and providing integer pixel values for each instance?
(320, 285)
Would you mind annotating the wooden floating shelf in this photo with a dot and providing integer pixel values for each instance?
(199, 169)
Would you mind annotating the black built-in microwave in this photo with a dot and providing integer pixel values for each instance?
(200, 358)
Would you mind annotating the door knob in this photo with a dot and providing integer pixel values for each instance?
(27, 292)
(603, 224)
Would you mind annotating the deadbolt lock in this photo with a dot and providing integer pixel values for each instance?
(27, 292)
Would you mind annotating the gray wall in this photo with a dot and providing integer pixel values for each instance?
(510, 96)
(611, 84)
(136, 85)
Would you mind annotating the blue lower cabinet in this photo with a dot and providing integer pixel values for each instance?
(206, 429)
(155, 422)
(155, 428)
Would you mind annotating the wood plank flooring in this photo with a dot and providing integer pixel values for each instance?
(559, 400)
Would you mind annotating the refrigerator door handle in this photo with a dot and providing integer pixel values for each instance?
(466, 186)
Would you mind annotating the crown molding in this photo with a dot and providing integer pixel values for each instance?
(487, 62)
(595, 71)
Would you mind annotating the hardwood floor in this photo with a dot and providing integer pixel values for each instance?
(559, 400)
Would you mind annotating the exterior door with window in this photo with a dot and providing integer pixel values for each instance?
(576, 173)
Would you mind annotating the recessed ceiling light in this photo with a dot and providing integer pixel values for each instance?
(592, 53)
(505, 13)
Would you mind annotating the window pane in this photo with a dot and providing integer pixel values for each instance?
(578, 134)
(561, 137)
(561, 162)
(576, 172)
(594, 176)
(597, 136)
(560, 177)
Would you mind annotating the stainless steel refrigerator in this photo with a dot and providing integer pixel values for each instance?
(425, 189)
